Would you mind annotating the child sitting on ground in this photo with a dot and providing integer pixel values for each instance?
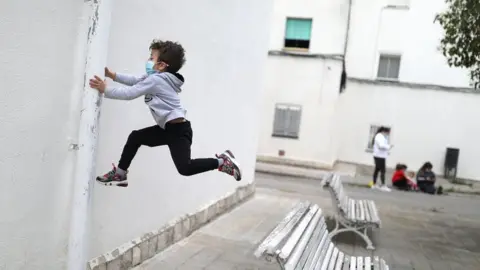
(403, 180)
(426, 180)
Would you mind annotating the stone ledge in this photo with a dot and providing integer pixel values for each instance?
(305, 54)
(306, 164)
(143, 248)
(415, 86)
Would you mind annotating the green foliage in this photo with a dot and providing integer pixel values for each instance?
(461, 41)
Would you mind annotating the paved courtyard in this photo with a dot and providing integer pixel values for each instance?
(419, 231)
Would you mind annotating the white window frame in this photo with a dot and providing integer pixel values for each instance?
(398, 3)
(389, 55)
(371, 134)
(289, 125)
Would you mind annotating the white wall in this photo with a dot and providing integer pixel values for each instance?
(328, 24)
(226, 44)
(336, 128)
(40, 87)
(424, 122)
(312, 83)
(410, 32)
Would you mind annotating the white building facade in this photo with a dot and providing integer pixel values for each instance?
(44, 51)
(396, 77)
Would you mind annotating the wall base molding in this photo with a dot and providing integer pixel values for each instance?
(145, 247)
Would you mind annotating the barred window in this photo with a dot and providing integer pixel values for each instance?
(388, 67)
(371, 135)
(287, 121)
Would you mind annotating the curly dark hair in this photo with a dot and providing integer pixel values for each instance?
(426, 165)
(172, 53)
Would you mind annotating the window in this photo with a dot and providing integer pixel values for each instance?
(297, 33)
(371, 135)
(287, 121)
(398, 3)
(388, 67)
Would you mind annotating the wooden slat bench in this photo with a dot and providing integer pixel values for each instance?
(301, 241)
(351, 215)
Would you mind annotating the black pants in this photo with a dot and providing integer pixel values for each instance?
(178, 137)
(380, 166)
(402, 184)
(429, 187)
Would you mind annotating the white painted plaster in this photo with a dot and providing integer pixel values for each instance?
(328, 23)
(96, 45)
(226, 56)
(336, 127)
(42, 65)
(409, 32)
(39, 91)
(424, 123)
(312, 83)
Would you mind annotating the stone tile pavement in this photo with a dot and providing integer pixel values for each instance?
(419, 231)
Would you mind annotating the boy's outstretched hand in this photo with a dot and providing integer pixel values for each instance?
(110, 74)
(98, 83)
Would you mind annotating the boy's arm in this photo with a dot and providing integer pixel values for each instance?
(127, 79)
(421, 176)
(131, 92)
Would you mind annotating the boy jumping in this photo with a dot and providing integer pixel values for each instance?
(160, 86)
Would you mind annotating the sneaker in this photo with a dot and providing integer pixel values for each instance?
(385, 188)
(112, 178)
(230, 165)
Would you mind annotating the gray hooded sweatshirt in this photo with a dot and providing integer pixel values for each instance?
(160, 91)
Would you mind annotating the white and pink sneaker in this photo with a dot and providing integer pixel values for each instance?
(112, 178)
(230, 165)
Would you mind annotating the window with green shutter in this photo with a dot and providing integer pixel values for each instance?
(297, 33)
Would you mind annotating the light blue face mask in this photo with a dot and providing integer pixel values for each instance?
(149, 67)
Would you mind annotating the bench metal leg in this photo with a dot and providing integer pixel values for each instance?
(348, 228)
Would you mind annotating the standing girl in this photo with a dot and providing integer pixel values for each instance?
(381, 149)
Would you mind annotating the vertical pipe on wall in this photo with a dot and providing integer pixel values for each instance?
(347, 29)
(343, 78)
(95, 47)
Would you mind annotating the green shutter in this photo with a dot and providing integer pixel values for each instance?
(298, 29)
